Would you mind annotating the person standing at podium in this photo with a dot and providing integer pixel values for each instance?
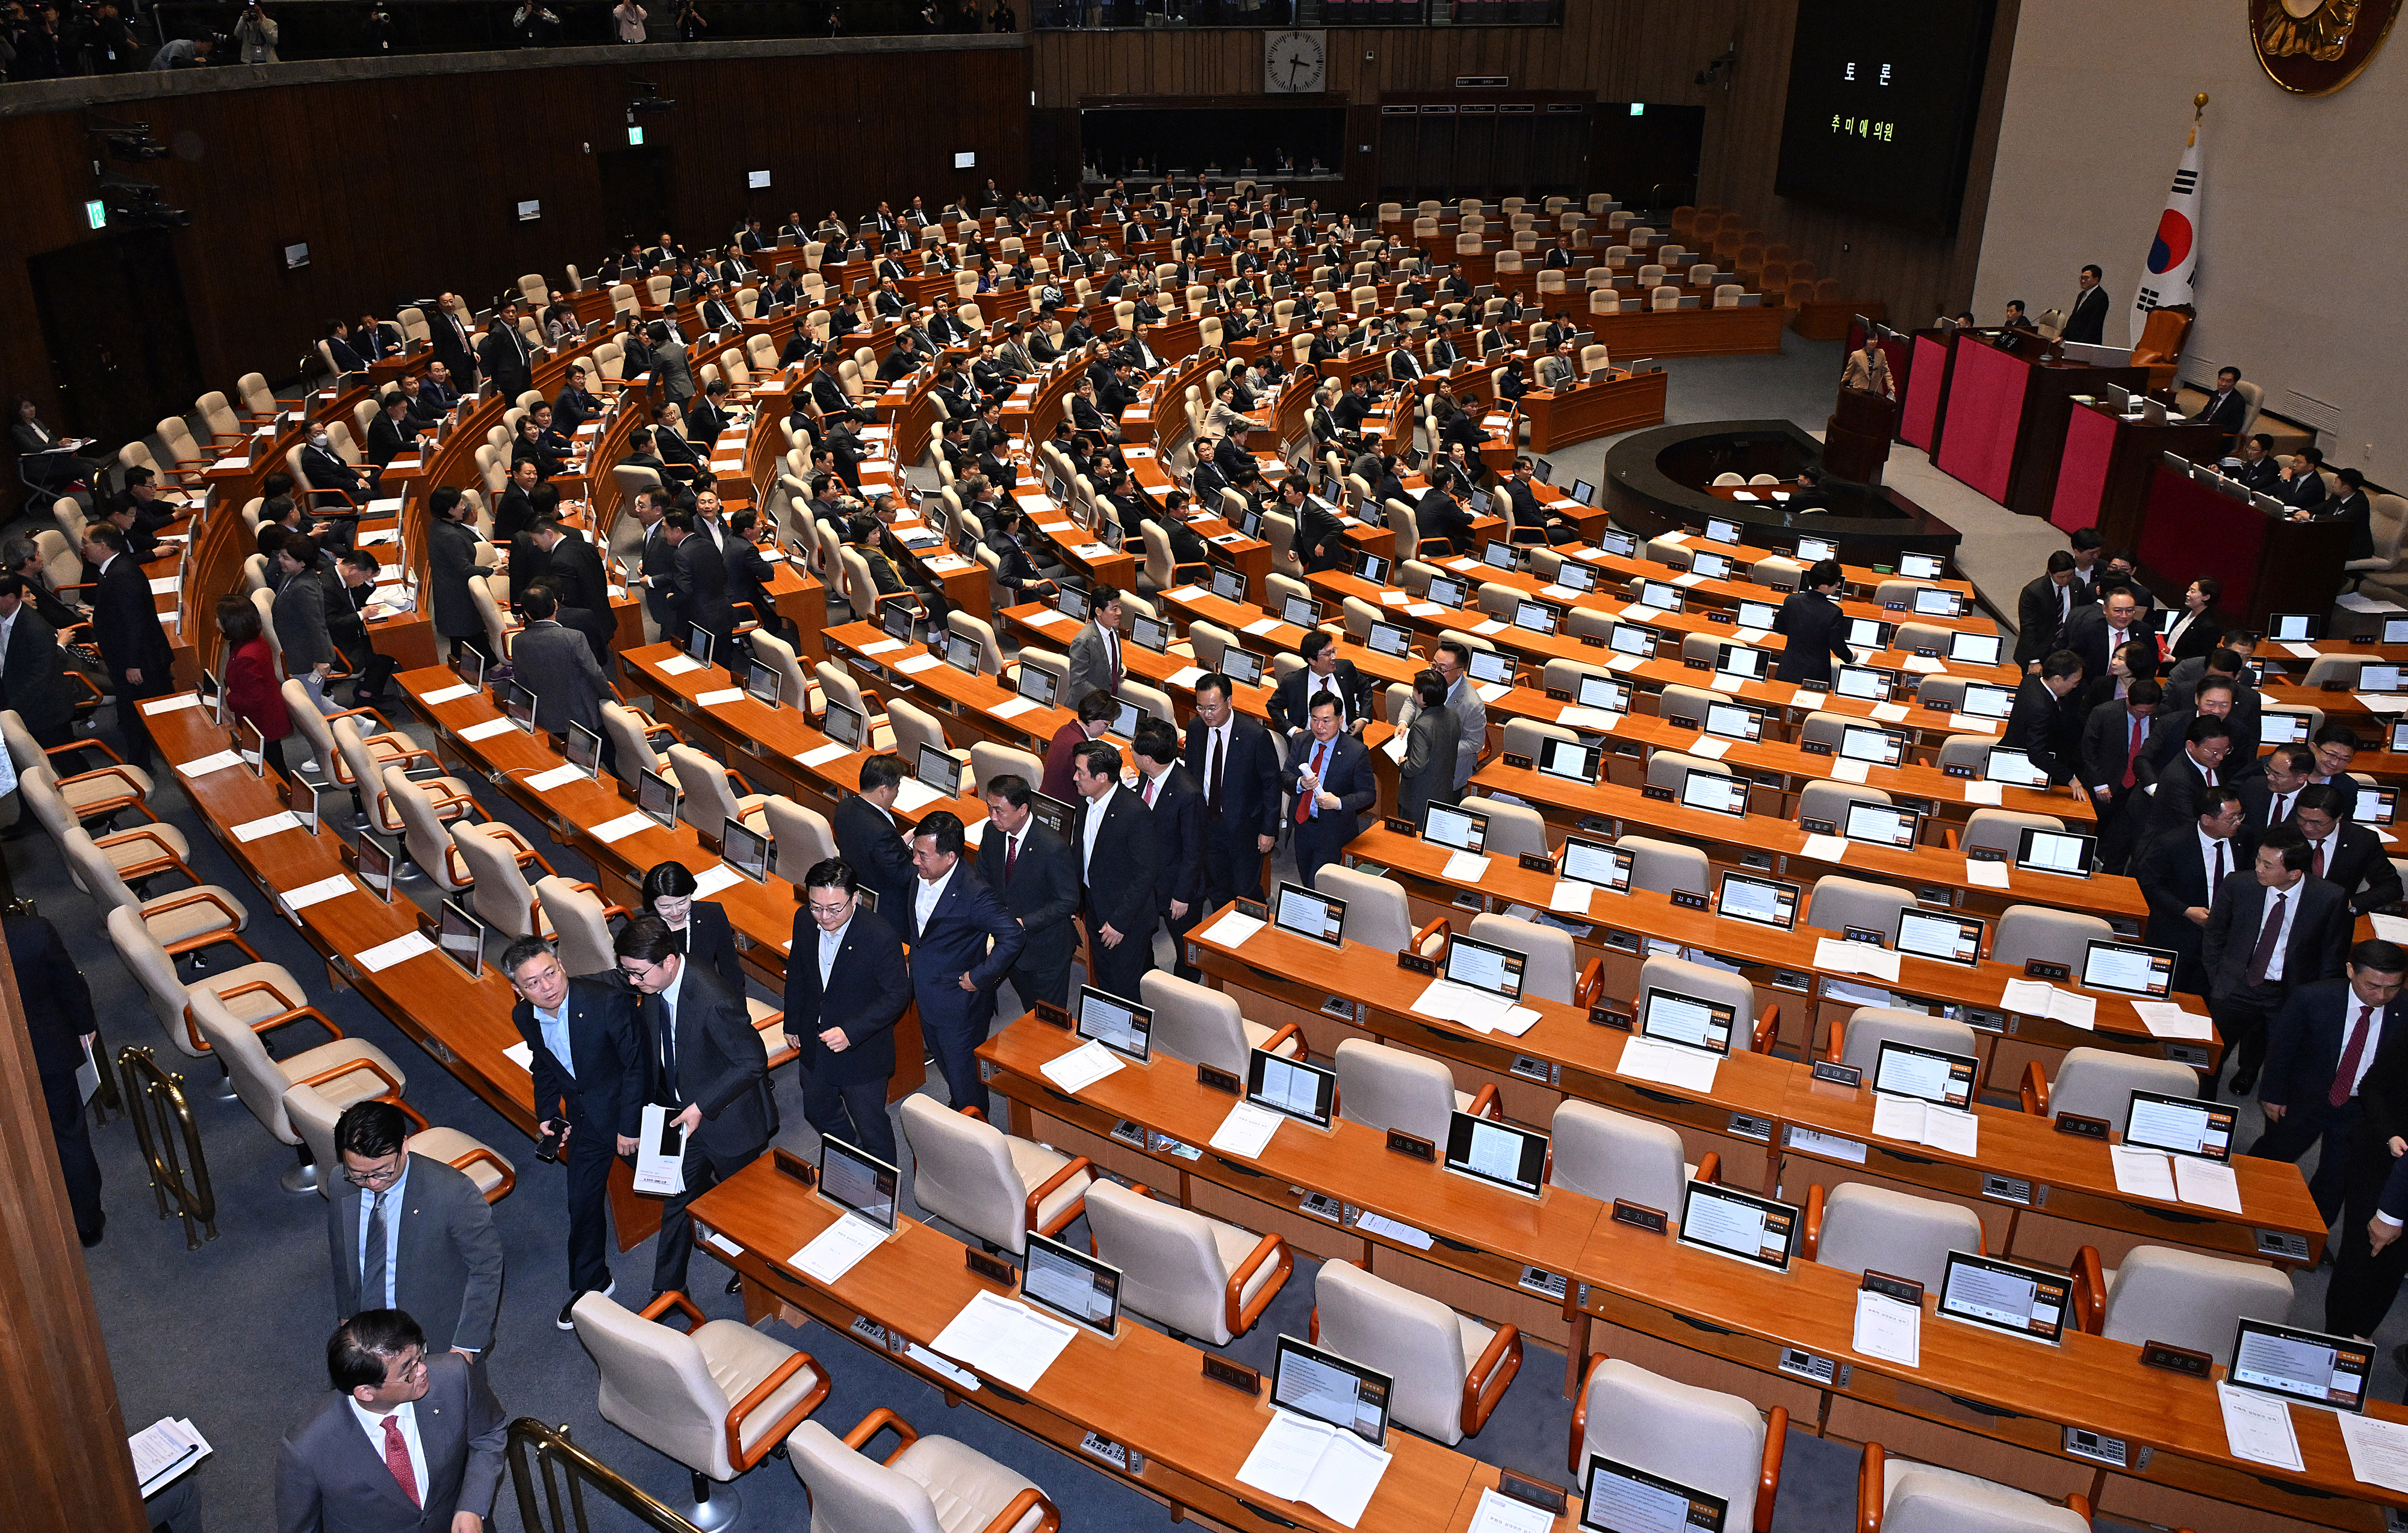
(2087, 320)
(1869, 369)
(1812, 623)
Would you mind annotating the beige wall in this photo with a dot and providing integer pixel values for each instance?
(2305, 202)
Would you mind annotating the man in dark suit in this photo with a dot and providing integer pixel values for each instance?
(392, 432)
(2272, 796)
(709, 1068)
(134, 648)
(1235, 762)
(454, 347)
(2198, 767)
(1114, 841)
(2225, 407)
(1034, 873)
(2222, 698)
(2179, 875)
(502, 354)
(558, 666)
(2335, 1047)
(407, 1443)
(2117, 770)
(2350, 857)
(698, 591)
(2271, 929)
(2087, 320)
(2039, 723)
(409, 1232)
(58, 1020)
(867, 839)
(33, 674)
(1330, 773)
(1325, 674)
(2350, 508)
(846, 987)
(2098, 633)
(1810, 620)
(2042, 609)
(1169, 790)
(588, 1090)
(574, 567)
(962, 943)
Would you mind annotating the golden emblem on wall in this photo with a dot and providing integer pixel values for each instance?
(2315, 47)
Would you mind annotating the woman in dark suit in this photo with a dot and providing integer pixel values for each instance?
(1811, 622)
(700, 926)
(1427, 773)
(2199, 627)
(451, 564)
(2135, 662)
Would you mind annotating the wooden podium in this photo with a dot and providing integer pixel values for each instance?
(1857, 438)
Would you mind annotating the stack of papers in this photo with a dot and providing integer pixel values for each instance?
(1247, 1131)
(1577, 717)
(821, 756)
(883, 646)
(678, 664)
(1081, 1068)
(1474, 1009)
(1709, 747)
(2257, 1428)
(2378, 1449)
(1888, 1328)
(1571, 897)
(2174, 1179)
(1889, 712)
(1391, 1229)
(1918, 1122)
(385, 954)
(1300, 1459)
(833, 1251)
(1849, 769)
(1838, 956)
(487, 730)
(1985, 875)
(713, 878)
(1992, 794)
(1467, 867)
(163, 1450)
(2038, 999)
(169, 705)
(2166, 1019)
(555, 776)
(1668, 1064)
(918, 663)
(1232, 930)
(1004, 1339)
(1504, 1515)
(911, 796)
(1825, 848)
(521, 1054)
(623, 827)
(719, 695)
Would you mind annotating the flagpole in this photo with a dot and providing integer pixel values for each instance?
(2197, 110)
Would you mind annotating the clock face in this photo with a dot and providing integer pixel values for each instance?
(1294, 62)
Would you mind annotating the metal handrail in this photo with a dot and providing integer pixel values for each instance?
(553, 1450)
(153, 1093)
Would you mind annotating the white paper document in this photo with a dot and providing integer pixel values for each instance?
(2378, 1449)
(1668, 1064)
(1848, 769)
(918, 663)
(2204, 1184)
(1571, 897)
(1300, 1459)
(447, 694)
(2040, 999)
(1888, 1328)
(1417, 608)
(834, 1251)
(521, 1054)
(216, 762)
(1504, 1515)
(679, 665)
(1825, 848)
(1985, 875)
(2142, 1173)
(1004, 1339)
(2166, 1019)
(2257, 1427)
(1012, 709)
(163, 1450)
(1467, 867)
(310, 893)
(821, 756)
(1392, 1229)
(1232, 930)
(1889, 712)
(488, 729)
(1478, 1009)
(1991, 793)
(719, 695)
(1708, 747)
(1081, 1068)
(1576, 717)
(622, 827)
(1247, 1131)
(1918, 1122)
(1639, 612)
(1265, 625)
(385, 954)
(168, 705)
(660, 1167)
(1838, 956)
(883, 646)
(553, 777)
(911, 796)
(251, 830)
(713, 878)
(1814, 1141)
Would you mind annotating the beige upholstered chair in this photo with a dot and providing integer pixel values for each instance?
(850, 1493)
(1694, 1437)
(1384, 1087)
(2098, 1083)
(2185, 1299)
(1197, 1024)
(1898, 1496)
(153, 846)
(315, 1115)
(1859, 1042)
(717, 1399)
(802, 836)
(487, 858)
(344, 1069)
(580, 924)
(185, 921)
(631, 744)
(263, 996)
(1608, 1155)
(1450, 1371)
(996, 1186)
(1861, 1227)
(1196, 1275)
(706, 802)
(89, 795)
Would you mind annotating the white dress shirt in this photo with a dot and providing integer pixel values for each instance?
(925, 899)
(373, 1424)
(831, 943)
(391, 1250)
(2208, 846)
(2290, 918)
(1096, 809)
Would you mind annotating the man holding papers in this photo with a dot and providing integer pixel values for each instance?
(2272, 930)
(846, 987)
(1115, 842)
(2337, 1072)
(962, 943)
(1330, 773)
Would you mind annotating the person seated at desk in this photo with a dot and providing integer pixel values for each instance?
(2225, 408)
(1559, 370)
(1511, 384)
(2303, 480)
(1457, 426)
(45, 458)
(1226, 418)
(2257, 472)
(153, 512)
(535, 444)
(2350, 508)
(2038, 725)
(2016, 318)
(1820, 490)
(1534, 520)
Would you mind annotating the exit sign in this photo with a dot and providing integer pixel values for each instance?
(635, 134)
(1639, 108)
(95, 212)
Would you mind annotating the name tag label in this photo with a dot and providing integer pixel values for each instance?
(1839, 1074)
(1415, 1145)
(2088, 1128)
(1216, 1079)
(1638, 1215)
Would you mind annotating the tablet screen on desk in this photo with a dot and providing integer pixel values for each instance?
(2328, 1370)
(2054, 852)
(762, 684)
(1713, 567)
(1450, 825)
(1314, 1382)
(1738, 1225)
(1537, 617)
(657, 797)
(1735, 721)
(1881, 824)
(745, 850)
(857, 1182)
(1950, 938)
(964, 653)
(1304, 1092)
(1074, 604)
(1931, 601)
(1671, 1017)
(1864, 682)
(585, 750)
(1920, 567)
(1037, 684)
(1863, 742)
(2295, 627)
(1975, 649)
(1984, 701)
(1570, 760)
(1243, 667)
(1492, 667)
(1621, 544)
(518, 706)
(1120, 1026)
(1603, 691)
(698, 639)
(1305, 913)
(1632, 639)
(461, 936)
(1586, 492)
(842, 720)
(1072, 1284)
(1871, 633)
(2377, 806)
(1229, 585)
(1658, 593)
(1388, 639)
(2183, 1126)
(1301, 610)
(1930, 1075)
(1575, 576)
(1496, 1153)
(1617, 1498)
(1597, 864)
(1714, 792)
(378, 855)
(1125, 723)
(1447, 592)
(2383, 680)
(2027, 1301)
(2129, 969)
(1767, 902)
(1497, 553)
(1741, 661)
(2011, 765)
(468, 664)
(1759, 615)
(1721, 530)
(1813, 551)
(1484, 965)
(1372, 567)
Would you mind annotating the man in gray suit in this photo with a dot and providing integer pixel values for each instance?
(1452, 663)
(1095, 653)
(406, 1444)
(408, 1232)
(557, 665)
(670, 374)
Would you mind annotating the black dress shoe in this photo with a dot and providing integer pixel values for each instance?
(2244, 1083)
(94, 1237)
(567, 1321)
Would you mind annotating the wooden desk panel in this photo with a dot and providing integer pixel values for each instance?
(1560, 418)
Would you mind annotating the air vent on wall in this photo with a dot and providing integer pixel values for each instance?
(1482, 82)
(2311, 411)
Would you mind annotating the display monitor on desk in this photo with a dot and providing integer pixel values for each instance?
(2181, 1126)
(2382, 679)
(1689, 1021)
(2395, 630)
(2301, 1364)
(1331, 1389)
(1929, 1075)
(379, 855)
(1571, 760)
(2026, 1301)
(1125, 721)
(1620, 544)
(1712, 567)
(657, 796)
(1740, 660)
(1453, 826)
(1447, 591)
(858, 1182)
(1722, 529)
(1759, 615)
(584, 751)
(1596, 691)
(1072, 1284)
(1484, 965)
(468, 664)
(1932, 934)
(518, 705)
(1373, 567)
(2040, 850)
(1308, 912)
(1306, 1093)
(1734, 721)
(1243, 667)
(2011, 765)
(1863, 683)
(2376, 806)
(1388, 639)
(1871, 633)
(1537, 617)
(1492, 667)
(1921, 566)
(1632, 639)
(1730, 1222)
(1497, 554)
(1985, 700)
(2295, 628)
(1572, 575)
(1597, 864)
(1119, 1024)
(1496, 1153)
(1767, 902)
(2127, 969)
(461, 936)
(1074, 604)
(1660, 593)
(763, 684)
(1037, 684)
(698, 639)
(1583, 492)
(1881, 824)
(1975, 649)
(1618, 1499)
(1301, 610)
(1229, 585)
(1813, 551)
(1934, 601)
(842, 720)
(745, 850)
(1715, 793)
(1864, 743)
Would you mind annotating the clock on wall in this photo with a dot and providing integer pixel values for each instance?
(1294, 62)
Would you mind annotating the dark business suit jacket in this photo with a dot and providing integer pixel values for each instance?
(501, 356)
(2320, 932)
(2304, 1050)
(1249, 780)
(447, 1270)
(869, 986)
(2087, 634)
(2356, 513)
(711, 941)
(387, 441)
(331, 1479)
(2358, 856)
(2166, 740)
(57, 1001)
(2037, 629)
(1290, 706)
(1347, 774)
(126, 624)
(721, 1066)
(1179, 839)
(2106, 745)
(1813, 624)
(1121, 875)
(1043, 892)
(606, 1095)
(2173, 878)
(2176, 804)
(33, 678)
(868, 841)
(575, 566)
(2038, 726)
(2089, 320)
(450, 561)
(955, 941)
(558, 666)
(698, 593)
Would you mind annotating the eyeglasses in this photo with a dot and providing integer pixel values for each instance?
(373, 1178)
(817, 909)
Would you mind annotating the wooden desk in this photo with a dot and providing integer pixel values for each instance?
(2102, 478)
(1560, 418)
(2266, 563)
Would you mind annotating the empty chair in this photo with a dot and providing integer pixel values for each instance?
(1195, 1275)
(1696, 1436)
(1829, 801)
(1664, 867)
(1377, 912)
(580, 924)
(263, 996)
(1898, 1496)
(152, 847)
(315, 1115)
(2185, 1299)
(488, 861)
(853, 1493)
(706, 802)
(716, 1397)
(1681, 977)
(2027, 932)
(793, 687)
(185, 921)
(989, 761)
(1553, 970)
(1606, 1154)
(1197, 1025)
(1858, 1225)
(2001, 830)
(631, 743)
(1838, 903)
(996, 1186)
(344, 1069)
(89, 795)
(1513, 828)
(915, 727)
(1859, 1042)
(1449, 1370)
(2098, 1083)
(1383, 1087)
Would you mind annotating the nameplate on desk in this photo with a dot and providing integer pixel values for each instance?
(1592, 641)
(792, 1164)
(1958, 768)
(1414, 963)
(1558, 694)
(1537, 862)
(1216, 1079)
(1713, 616)
(1814, 748)
(2089, 1128)
(1679, 721)
(1813, 686)
(1894, 606)
(1520, 763)
(1927, 652)
(1608, 1016)
(1399, 825)
(1865, 935)
(2007, 1189)
(2281, 1243)
(1837, 1074)
(1905, 1290)
(990, 1269)
(1538, 1493)
(1698, 664)
(2338, 684)
(1937, 706)
(1985, 853)
(1652, 791)
(2173, 1359)
(1638, 1214)
(1236, 1376)
(1051, 1015)
(1690, 899)
(1818, 827)
(1745, 1127)
(2040, 968)
(2366, 641)
(1254, 910)
(1412, 1144)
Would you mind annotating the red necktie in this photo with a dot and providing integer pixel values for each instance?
(1115, 643)
(2319, 869)
(396, 1459)
(2218, 882)
(1304, 806)
(1151, 784)
(1010, 856)
(2344, 1084)
(2132, 756)
(2264, 953)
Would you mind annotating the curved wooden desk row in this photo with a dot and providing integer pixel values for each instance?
(2040, 1193)
(1985, 1403)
